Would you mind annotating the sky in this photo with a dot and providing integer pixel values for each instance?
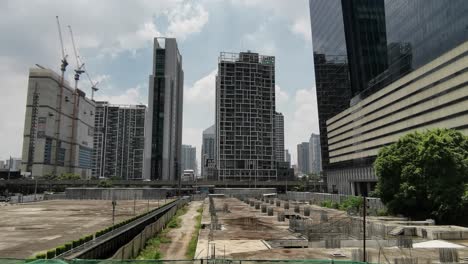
(114, 39)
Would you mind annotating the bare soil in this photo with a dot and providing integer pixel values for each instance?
(180, 237)
(26, 229)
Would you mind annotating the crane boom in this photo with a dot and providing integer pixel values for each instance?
(60, 36)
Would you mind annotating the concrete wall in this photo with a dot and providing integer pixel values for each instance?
(244, 191)
(116, 193)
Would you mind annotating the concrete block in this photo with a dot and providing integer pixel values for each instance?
(286, 205)
(270, 211)
(264, 208)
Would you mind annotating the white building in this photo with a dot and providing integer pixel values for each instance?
(189, 158)
(58, 128)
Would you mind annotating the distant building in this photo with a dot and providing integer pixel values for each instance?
(163, 128)
(13, 164)
(188, 175)
(58, 128)
(303, 158)
(287, 156)
(189, 158)
(279, 137)
(315, 158)
(245, 113)
(208, 165)
(2, 164)
(119, 141)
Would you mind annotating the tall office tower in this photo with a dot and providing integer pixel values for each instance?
(58, 127)
(315, 157)
(245, 112)
(279, 137)
(189, 158)
(287, 156)
(303, 158)
(119, 141)
(208, 167)
(360, 48)
(163, 128)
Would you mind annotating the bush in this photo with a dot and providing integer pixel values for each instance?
(40, 256)
(68, 246)
(382, 212)
(50, 254)
(60, 249)
(353, 203)
(75, 243)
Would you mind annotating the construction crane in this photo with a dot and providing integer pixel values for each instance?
(93, 85)
(79, 66)
(63, 68)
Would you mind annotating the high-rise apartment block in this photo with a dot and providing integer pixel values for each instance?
(58, 128)
(315, 157)
(189, 158)
(383, 69)
(119, 141)
(279, 137)
(287, 156)
(303, 158)
(245, 113)
(208, 165)
(163, 128)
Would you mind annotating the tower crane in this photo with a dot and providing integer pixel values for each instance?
(79, 66)
(93, 85)
(63, 68)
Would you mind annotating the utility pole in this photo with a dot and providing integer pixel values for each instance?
(9, 168)
(114, 203)
(364, 212)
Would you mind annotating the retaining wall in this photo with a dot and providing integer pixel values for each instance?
(26, 198)
(116, 193)
(244, 191)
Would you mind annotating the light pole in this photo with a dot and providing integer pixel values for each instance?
(114, 203)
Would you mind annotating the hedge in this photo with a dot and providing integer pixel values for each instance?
(41, 256)
(50, 254)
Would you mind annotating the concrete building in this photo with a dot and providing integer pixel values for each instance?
(189, 159)
(58, 128)
(279, 137)
(355, 63)
(245, 112)
(287, 156)
(315, 158)
(119, 141)
(163, 128)
(208, 165)
(303, 158)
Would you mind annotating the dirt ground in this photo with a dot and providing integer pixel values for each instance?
(180, 237)
(26, 229)
(244, 229)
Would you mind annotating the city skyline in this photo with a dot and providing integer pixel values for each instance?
(122, 65)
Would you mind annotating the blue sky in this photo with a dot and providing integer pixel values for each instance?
(114, 39)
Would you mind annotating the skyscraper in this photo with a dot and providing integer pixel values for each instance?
(208, 169)
(58, 127)
(163, 128)
(119, 141)
(189, 158)
(315, 158)
(245, 112)
(303, 158)
(287, 156)
(361, 48)
(279, 137)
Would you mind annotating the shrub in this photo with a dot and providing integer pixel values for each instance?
(327, 204)
(353, 203)
(50, 254)
(60, 249)
(75, 243)
(68, 246)
(40, 256)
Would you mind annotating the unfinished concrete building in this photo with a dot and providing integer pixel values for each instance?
(279, 137)
(58, 127)
(119, 141)
(245, 112)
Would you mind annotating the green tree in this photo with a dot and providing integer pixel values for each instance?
(424, 175)
(69, 176)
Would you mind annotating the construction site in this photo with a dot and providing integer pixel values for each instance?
(270, 227)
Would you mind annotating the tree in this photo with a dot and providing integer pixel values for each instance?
(424, 175)
(69, 176)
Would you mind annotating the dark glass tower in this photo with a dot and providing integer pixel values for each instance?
(361, 46)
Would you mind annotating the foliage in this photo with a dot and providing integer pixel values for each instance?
(50, 254)
(192, 247)
(353, 203)
(41, 256)
(69, 176)
(423, 175)
(330, 204)
(176, 221)
(105, 184)
(60, 249)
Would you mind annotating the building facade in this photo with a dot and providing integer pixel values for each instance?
(287, 156)
(279, 137)
(315, 157)
(208, 165)
(373, 44)
(245, 112)
(58, 128)
(119, 141)
(303, 158)
(189, 159)
(163, 128)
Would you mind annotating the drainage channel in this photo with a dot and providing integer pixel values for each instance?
(104, 246)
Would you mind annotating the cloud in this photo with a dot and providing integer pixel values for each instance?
(131, 96)
(188, 19)
(203, 91)
(301, 27)
(260, 40)
(281, 96)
